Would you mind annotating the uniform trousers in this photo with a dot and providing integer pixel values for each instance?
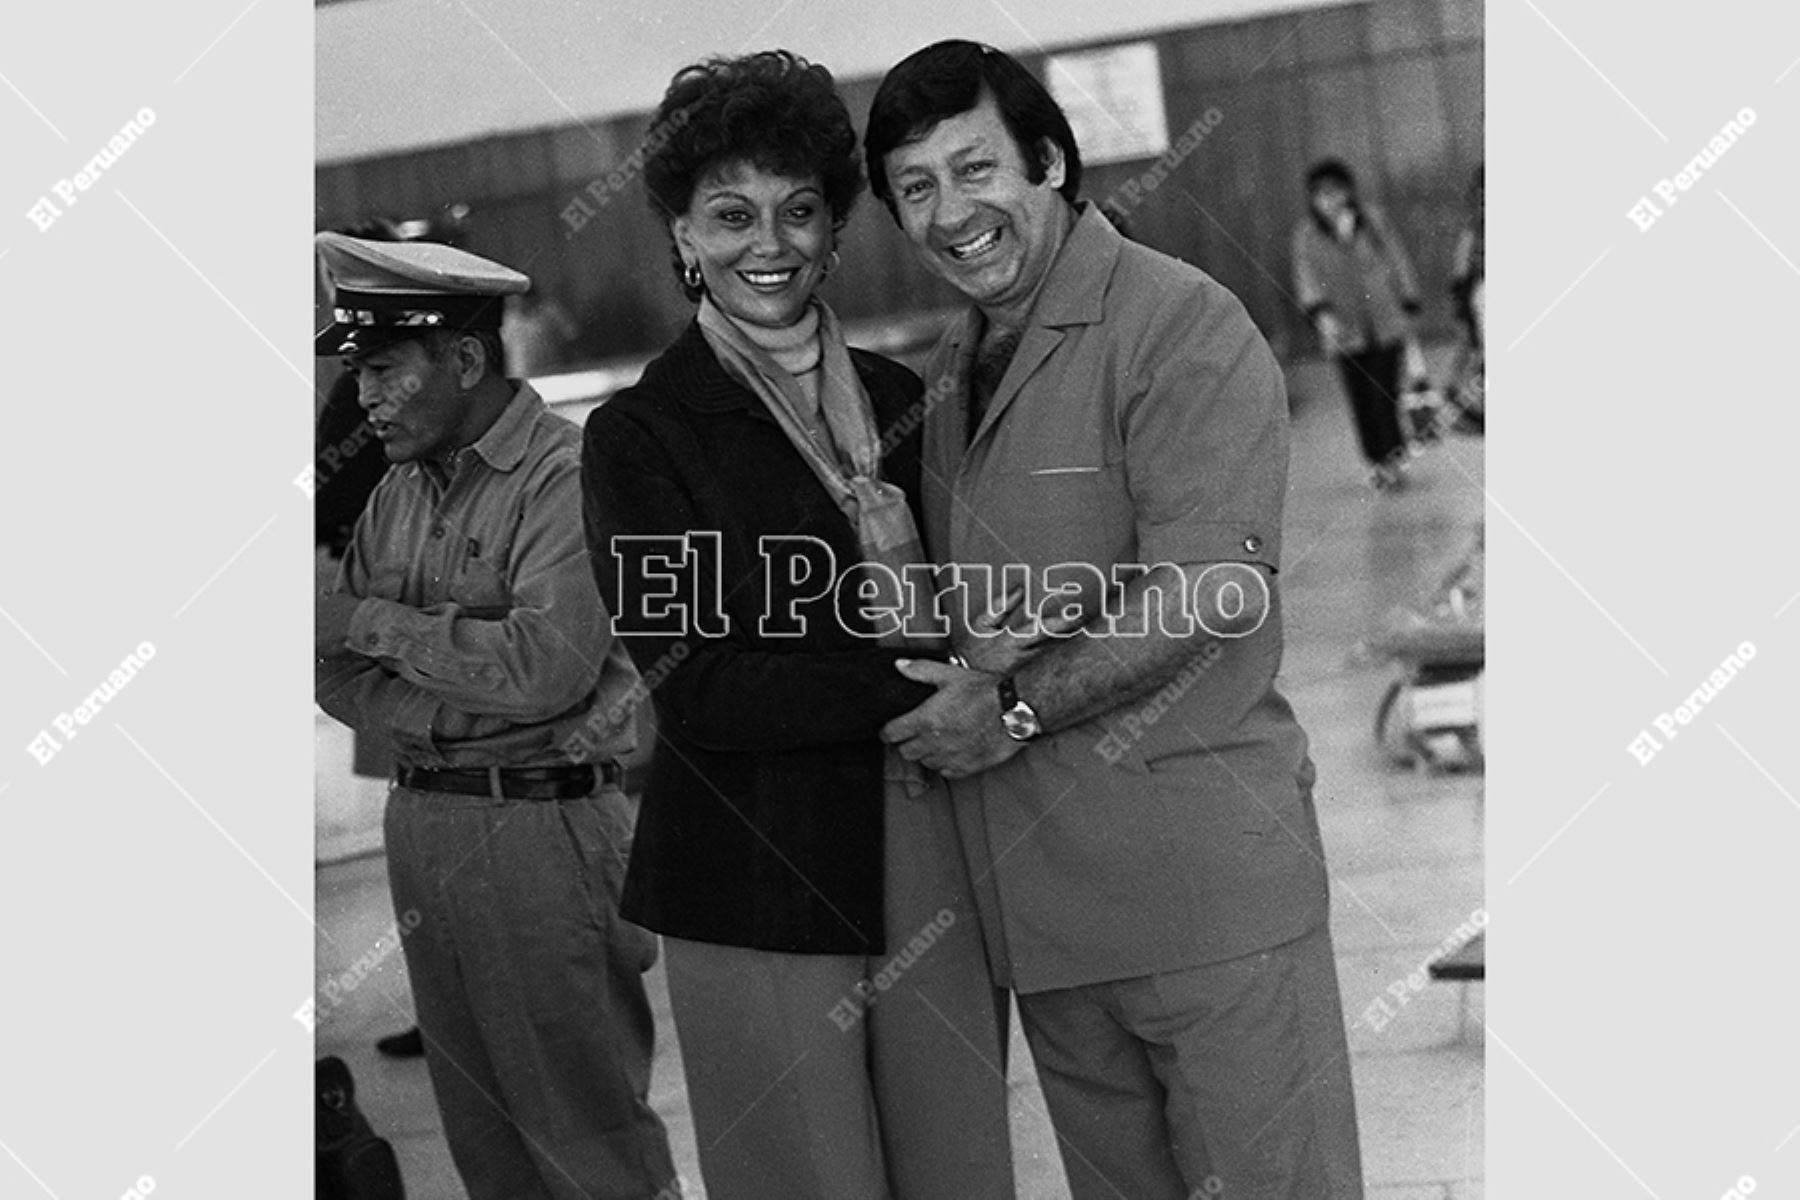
(530, 992)
(1229, 1081)
(827, 1077)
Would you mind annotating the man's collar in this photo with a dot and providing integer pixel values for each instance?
(1070, 295)
(504, 444)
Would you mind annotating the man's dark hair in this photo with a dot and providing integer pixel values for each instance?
(1330, 170)
(949, 78)
(773, 110)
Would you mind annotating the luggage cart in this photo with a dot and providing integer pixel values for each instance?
(1430, 716)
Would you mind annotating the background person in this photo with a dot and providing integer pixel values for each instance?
(1468, 272)
(347, 458)
(1152, 887)
(1356, 283)
(791, 864)
(464, 624)
(348, 462)
(1468, 290)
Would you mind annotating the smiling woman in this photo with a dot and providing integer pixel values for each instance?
(770, 114)
(782, 850)
(760, 242)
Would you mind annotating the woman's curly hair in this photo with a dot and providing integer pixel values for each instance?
(773, 110)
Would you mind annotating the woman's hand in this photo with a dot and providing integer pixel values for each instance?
(957, 732)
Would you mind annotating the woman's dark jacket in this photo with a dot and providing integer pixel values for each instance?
(761, 822)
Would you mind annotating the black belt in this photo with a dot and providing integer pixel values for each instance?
(512, 783)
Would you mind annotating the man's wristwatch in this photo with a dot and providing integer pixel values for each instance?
(1018, 718)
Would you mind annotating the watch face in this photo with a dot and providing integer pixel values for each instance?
(1016, 717)
(1020, 722)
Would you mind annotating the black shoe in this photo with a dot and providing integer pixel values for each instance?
(410, 1044)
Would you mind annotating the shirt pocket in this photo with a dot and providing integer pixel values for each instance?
(480, 590)
(1068, 512)
(1064, 523)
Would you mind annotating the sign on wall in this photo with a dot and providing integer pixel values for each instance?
(1114, 101)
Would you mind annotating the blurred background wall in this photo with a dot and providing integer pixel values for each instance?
(511, 124)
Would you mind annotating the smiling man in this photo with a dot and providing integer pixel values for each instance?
(1135, 799)
(465, 625)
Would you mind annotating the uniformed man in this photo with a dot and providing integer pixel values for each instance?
(465, 626)
(1137, 799)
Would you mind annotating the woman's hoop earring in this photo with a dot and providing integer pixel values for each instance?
(691, 275)
(833, 263)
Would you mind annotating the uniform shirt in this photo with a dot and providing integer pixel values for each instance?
(481, 639)
(1142, 420)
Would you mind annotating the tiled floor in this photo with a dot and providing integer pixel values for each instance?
(1405, 851)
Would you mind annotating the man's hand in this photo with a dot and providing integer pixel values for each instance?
(331, 623)
(1002, 641)
(957, 732)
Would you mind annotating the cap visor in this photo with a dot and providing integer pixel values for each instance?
(339, 338)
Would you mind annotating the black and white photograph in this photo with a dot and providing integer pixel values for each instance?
(932, 646)
(900, 601)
